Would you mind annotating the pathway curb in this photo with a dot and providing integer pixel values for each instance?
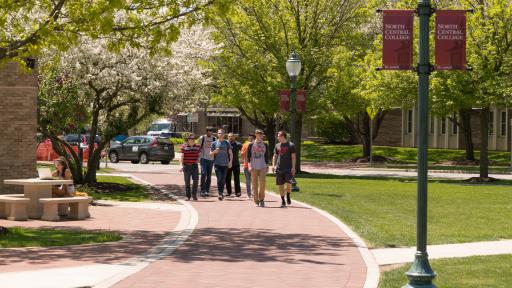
(372, 268)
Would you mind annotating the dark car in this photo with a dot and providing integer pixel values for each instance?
(142, 149)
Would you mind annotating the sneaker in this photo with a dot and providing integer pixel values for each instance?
(188, 198)
(262, 203)
(257, 204)
(283, 205)
(238, 194)
(206, 194)
(288, 199)
(221, 198)
(195, 198)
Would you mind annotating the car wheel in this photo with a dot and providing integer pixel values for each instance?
(143, 158)
(114, 158)
(165, 162)
(135, 161)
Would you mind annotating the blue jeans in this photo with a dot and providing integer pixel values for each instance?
(206, 174)
(220, 173)
(248, 182)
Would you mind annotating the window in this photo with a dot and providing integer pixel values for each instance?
(454, 125)
(432, 124)
(443, 125)
(228, 123)
(491, 123)
(409, 121)
(503, 122)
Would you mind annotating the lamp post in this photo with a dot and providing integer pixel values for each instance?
(421, 275)
(293, 67)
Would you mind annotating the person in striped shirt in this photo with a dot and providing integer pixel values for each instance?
(190, 152)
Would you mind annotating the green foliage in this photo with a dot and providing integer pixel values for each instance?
(458, 212)
(27, 27)
(30, 237)
(468, 272)
(331, 127)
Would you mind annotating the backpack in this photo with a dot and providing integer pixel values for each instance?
(202, 141)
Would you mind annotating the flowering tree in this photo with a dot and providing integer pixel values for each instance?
(28, 26)
(120, 89)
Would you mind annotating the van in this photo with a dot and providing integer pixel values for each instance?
(161, 126)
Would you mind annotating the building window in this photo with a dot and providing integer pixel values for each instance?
(491, 123)
(432, 124)
(228, 123)
(503, 123)
(443, 125)
(409, 121)
(454, 125)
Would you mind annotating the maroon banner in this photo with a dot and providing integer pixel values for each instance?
(397, 39)
(284, 100)
(450, 40)
(301, 100)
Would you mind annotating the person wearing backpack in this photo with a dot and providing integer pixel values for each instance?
(257, 157)
(206, 161)
(283, 164)
(223, 157)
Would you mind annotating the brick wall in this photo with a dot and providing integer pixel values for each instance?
(18, 115)
(390, 133)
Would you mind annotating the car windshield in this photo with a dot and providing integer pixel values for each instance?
(160, 127)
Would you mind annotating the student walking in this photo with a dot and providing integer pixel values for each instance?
(206, 161)
(247, 173)
(222, 154)
(257, 156)
(190, 153)
(235, 167)
(283, 164)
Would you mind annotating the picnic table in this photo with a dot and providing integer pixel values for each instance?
(35, 189)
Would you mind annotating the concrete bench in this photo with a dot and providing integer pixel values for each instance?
(13, 207)
(79, 207)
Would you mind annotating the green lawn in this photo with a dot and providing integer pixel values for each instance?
(383, 211)
(470, 272)
(115, 188)
(28, 237)
(315, 152)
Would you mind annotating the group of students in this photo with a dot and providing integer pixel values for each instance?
(224, 155)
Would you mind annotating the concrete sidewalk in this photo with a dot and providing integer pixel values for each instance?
(387, 256)
(398, 173)
(238, 245)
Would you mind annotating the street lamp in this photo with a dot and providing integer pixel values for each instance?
(293, 66)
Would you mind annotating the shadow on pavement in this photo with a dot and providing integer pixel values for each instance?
(259, 245)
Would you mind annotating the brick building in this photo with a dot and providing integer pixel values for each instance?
(18, 115)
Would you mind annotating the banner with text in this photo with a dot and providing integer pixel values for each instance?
(397, 39)
(284, 100)
(450, 40)
(301, 100)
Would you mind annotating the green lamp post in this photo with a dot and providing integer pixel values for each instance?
(421, 274)
(293, 67)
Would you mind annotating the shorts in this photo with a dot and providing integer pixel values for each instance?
(283, 177)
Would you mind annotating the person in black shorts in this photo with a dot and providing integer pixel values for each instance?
(283, 164)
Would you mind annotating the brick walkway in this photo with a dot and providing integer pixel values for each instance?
(238, 245)
(142, 229)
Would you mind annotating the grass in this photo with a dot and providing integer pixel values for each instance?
(28, 237)
(470, 272)
(314, 152)
(115, 188)
(383, 211)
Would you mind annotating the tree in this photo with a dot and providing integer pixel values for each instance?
(258, 36)
(119, 90)
(29, 26)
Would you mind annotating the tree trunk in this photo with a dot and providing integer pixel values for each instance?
(365, 134)
(92, 164)
(65, 150)
(270, 132)
(465, 127)
(484, 138)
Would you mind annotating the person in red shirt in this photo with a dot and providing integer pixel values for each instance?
(190, 152)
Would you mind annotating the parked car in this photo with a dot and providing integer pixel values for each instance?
(142, 149)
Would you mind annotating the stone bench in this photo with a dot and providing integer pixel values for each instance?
(14, 207)
(79, 207)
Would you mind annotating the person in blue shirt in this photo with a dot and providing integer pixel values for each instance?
(223, 157)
